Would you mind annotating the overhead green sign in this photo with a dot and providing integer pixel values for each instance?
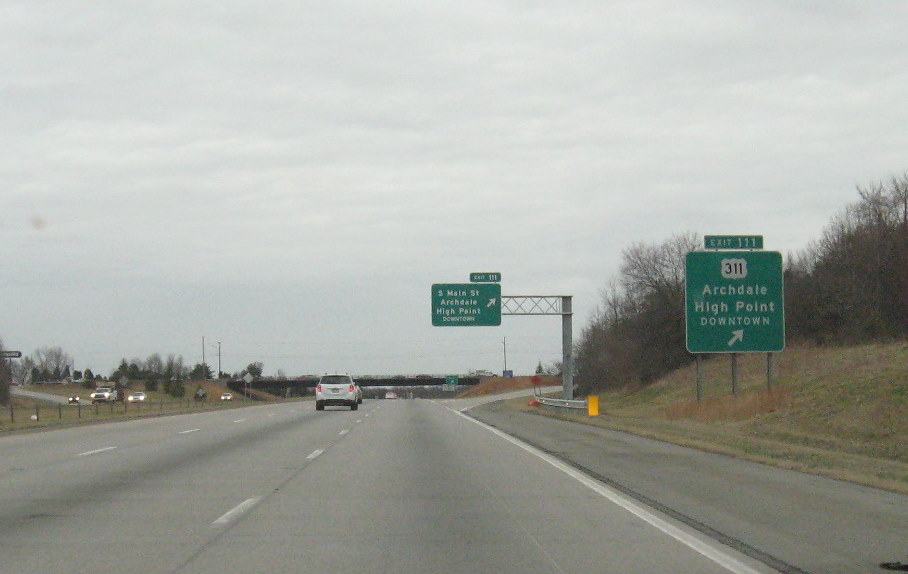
(466, 304)
(485, 277)
(733, 241)
(734, 302)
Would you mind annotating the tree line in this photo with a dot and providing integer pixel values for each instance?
(54, 365)
(848, 287)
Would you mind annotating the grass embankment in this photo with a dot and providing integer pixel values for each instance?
(27, 413)
(838, 412)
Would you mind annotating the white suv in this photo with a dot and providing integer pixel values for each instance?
(337, 390)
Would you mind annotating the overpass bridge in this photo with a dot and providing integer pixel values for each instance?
(373, 385)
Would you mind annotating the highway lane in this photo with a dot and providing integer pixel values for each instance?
(794, 521)
(398, 486)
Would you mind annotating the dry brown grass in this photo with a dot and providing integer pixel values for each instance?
(732, 407)
(497, 385)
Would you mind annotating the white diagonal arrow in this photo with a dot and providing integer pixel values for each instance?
(736, 336)
(492, 302)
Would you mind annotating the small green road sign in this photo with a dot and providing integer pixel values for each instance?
(10, 354)
(452, 380)
(485, 277)
(734, 302)
(733, 241)
(466, 304)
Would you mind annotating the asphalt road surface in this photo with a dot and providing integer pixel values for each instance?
(398, 486)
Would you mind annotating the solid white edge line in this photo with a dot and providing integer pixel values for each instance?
(714, 554)
(231, 515)
(189, 431)
(96, 451)
(343, 432)
(315, 454)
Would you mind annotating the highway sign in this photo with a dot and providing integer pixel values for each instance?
(10, 354)
(466, 304)
(733, 241)
(485, 277)
(734, 302)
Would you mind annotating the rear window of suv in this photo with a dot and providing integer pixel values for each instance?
(336, 380)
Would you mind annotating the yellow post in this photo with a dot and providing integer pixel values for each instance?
(592, 405)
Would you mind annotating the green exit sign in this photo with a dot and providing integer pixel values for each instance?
(733, 241)
(485, 277)
(734, 302)
(466, 304)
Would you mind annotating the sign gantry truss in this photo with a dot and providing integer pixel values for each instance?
(533, 305)
(549, 305)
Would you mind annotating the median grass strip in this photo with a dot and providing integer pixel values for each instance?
(24, 413)
(841, 412)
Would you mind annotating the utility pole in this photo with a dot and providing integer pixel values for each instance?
(504, 343)
(219, 359)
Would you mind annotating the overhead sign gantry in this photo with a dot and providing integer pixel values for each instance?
(480, 304)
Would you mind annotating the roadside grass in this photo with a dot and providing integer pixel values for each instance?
(841, 412)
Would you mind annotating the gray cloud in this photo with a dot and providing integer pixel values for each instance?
(290, 178)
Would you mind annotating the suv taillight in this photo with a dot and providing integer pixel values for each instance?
(352, 388)
(318, 388)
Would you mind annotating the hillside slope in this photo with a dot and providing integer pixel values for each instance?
(840, 412)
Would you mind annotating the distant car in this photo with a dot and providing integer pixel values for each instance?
(74, 400)
(391, 395)
(340, 390)
(105, 395)
(136, 397)
(226, 396)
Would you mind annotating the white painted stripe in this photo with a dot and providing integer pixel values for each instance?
(105, 449)
(232, 515)
(716, 555)
(240, 421)
(343, 432)
(189, 431)
(359, 421)
(315, 454)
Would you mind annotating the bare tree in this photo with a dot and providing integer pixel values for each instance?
(638, 332)
(155, 364)
(22, 370)
(849, 286)
(5, 378)
(52, 361)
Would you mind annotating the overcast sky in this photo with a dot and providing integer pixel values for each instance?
(290, 178)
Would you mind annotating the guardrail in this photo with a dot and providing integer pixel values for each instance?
(568, 404)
